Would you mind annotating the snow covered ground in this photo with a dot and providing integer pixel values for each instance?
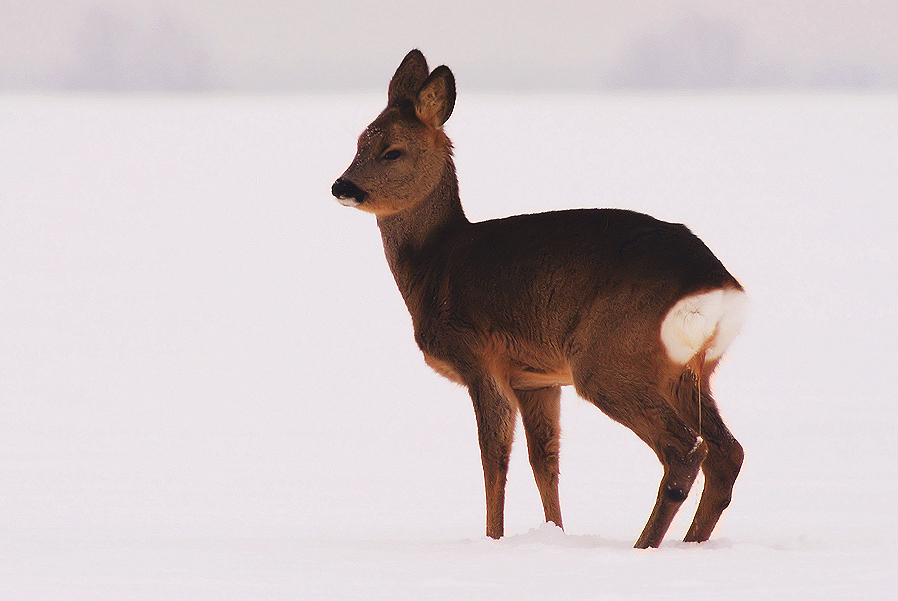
(209, 387)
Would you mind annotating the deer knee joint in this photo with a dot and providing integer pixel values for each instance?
(676, 494)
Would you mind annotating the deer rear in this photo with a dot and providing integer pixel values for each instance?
(634, 312)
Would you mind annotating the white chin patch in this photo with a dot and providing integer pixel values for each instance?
(348, 201)
(708, 321)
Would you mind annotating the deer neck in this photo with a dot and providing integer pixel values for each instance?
(410, 237)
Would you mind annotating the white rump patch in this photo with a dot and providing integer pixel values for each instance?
(708, 321)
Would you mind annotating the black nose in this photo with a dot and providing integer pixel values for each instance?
(346, 190)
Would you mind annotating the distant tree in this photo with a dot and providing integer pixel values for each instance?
(116, 54)
(700, 52)
(696, 52)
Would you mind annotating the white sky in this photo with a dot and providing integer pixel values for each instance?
(352, 43)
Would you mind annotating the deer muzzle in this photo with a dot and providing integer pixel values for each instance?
(348, 193)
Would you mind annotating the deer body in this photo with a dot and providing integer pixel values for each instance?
(632, 311)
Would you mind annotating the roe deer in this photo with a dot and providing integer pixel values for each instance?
(635, 313)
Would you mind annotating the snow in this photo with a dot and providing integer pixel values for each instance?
(209, 387)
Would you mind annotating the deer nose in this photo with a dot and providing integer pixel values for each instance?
(348, 193)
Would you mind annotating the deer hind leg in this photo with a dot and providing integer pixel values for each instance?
(677, 446)
(724, 460)
(680, 470)
(720, 468)
(495, 414)
(540, 410)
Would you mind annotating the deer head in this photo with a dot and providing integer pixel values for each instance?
(403, 154)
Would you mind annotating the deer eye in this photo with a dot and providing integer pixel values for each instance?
(392, 155)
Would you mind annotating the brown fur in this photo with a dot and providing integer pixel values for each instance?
(515, 308)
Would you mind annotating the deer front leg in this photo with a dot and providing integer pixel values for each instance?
(540, 412)
(495, 432)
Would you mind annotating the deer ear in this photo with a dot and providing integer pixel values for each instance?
(408, 77)
(436, 98)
